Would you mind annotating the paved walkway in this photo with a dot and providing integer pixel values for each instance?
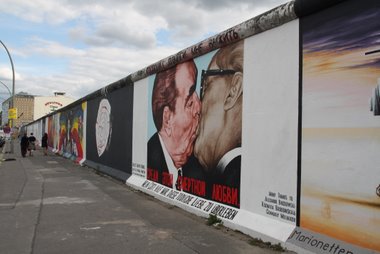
(48, 204)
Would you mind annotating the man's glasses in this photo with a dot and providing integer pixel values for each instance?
(217, 72)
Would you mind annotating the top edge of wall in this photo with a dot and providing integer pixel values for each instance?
(304, 8)
(258, 24)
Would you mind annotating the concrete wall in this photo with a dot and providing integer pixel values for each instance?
(291, 121)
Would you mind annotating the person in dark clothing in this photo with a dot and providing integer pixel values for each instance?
(24, 144)
(44, 144)
(32, 145)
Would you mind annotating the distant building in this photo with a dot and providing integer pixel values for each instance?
(31, 107)
(24, 103)
(44, 105)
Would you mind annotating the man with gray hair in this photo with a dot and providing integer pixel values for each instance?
(218, 145)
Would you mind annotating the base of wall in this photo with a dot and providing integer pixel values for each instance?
(118, 174)
(254, 225)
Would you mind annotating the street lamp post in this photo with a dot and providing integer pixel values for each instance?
(13, 73)
(9, 91)
(13, 87)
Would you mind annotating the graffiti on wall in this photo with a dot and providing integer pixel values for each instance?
(53, 131)
(268, 20)
(109, 132)
(195, 125)
(103, 127)
(71, 127)
(340, 135)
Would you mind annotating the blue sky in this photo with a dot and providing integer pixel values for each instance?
(79, 46)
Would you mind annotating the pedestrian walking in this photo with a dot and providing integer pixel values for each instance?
(44, 143)
(24, 143)
(32, 144)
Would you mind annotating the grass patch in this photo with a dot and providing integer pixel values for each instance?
(213, 220)
(268, 245)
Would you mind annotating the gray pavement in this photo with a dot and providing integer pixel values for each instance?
(48, 204)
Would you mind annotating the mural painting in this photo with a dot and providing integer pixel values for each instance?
(341, 130)
(109, 132)
(71, 132)
(195, 123)
(53, 131)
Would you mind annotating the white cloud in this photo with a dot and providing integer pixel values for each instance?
(6, 75)
(49, 48)
(89, 70)
(53, 12)
(116, 37)
(134, 23)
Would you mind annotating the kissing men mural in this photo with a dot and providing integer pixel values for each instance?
(195, 126)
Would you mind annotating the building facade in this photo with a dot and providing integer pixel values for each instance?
(25, 107)
(44, 105)
(31, 107)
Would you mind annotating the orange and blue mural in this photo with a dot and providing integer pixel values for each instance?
(71, 132)
(341, 133)
(53, 131)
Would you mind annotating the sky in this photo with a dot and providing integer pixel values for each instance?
(80, 46)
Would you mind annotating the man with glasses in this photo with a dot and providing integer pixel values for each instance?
(218, 145)
(176, 110)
